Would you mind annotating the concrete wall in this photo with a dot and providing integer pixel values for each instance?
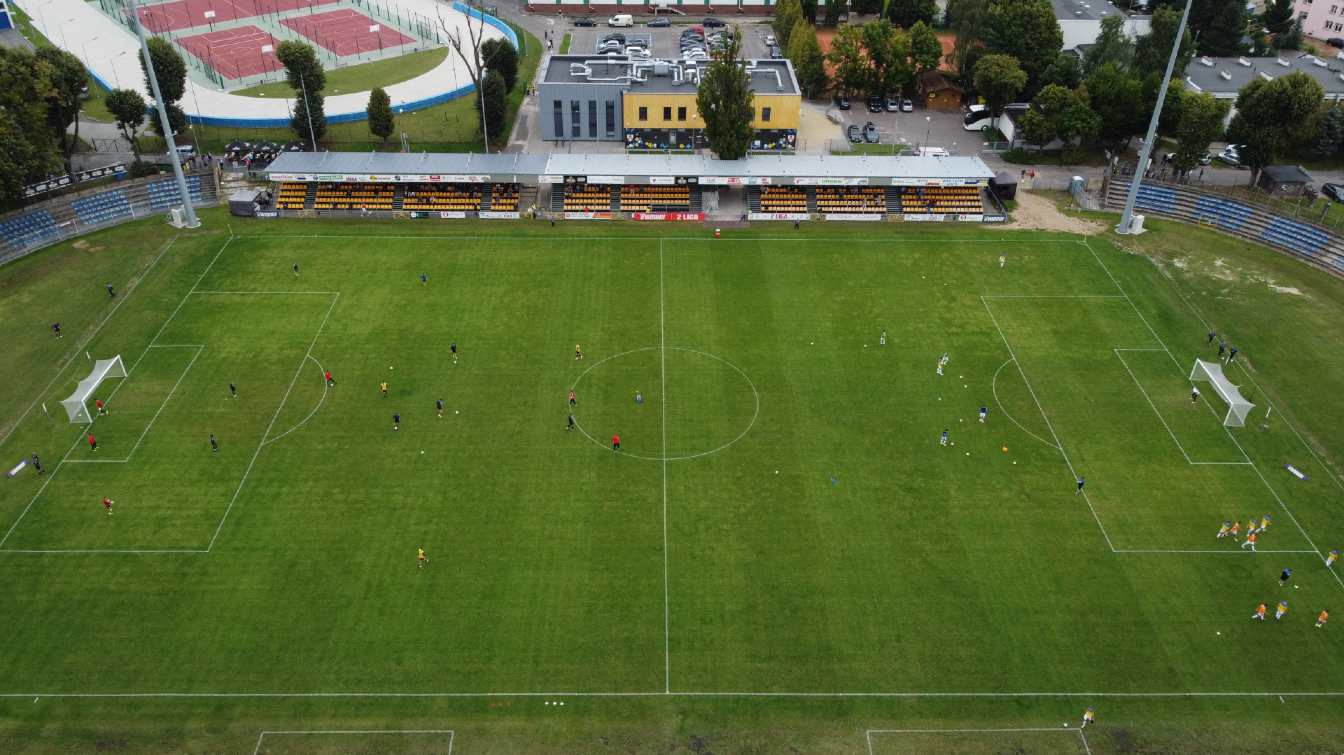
(592, 102)
(1085, 31)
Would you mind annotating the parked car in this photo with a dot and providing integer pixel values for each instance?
(853, 133)
(842, 101)
(1335, 41)
(770, 40)
(932, 152)
(711, 22)
(621, 19)
(907, 105)
(584, 22)
(660, 22)
(1334, 191)
(775, 52)
(616, 36)
(870, 134)
(893, 104)
(875, 105)
(1230, 156)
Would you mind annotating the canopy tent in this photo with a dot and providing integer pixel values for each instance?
(1237, 407)
(102, 369)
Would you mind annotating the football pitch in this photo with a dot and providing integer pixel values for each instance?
(782, 556)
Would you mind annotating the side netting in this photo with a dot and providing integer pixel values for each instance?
(1238, 408)
(76, 406)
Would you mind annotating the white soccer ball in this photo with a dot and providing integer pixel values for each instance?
(1220, 634)
(390, 367)
(422, 453)
(456, 412)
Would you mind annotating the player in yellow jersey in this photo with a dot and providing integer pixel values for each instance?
(1264, 522)
(420, 559)
(1089, 716)
(1223, 530)
(1280, 610)
(1332, 558)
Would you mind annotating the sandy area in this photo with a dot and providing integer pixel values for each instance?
(1036, 213)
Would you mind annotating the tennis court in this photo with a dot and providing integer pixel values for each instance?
(188, 14)
(346, 32)
(234, 53)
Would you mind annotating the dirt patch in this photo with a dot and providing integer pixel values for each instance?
(84, 246)
(1035, 213)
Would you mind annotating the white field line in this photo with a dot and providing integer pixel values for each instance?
(1233, 438)
(1032, 730)
(1050, 426)
(192, 290)
(1328, 694)
(662, 367)
(1163, 420)
(1219, 551)
(1052, 296)
(325, 388)
(1022, 239)
(89, 339)
(69, 551)
(356, 732)
(261, 293)
(994, 388)
(261, 443)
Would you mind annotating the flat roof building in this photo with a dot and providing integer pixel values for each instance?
(1080, 20)
(1224, 77)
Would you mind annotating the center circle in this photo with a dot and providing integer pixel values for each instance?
(709, 403)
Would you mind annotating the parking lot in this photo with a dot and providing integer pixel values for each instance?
(923, 127)
(665, 42)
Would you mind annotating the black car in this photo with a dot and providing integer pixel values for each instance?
(870, 133)
(842, 102)
(711, 22)
(876, 105)
(1334, 191)
(659, 22)
(1335, 41)
(584, 22)
(853, 133)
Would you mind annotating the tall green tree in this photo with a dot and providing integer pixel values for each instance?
(1117, 97)
(1152, 49)
(967, 19)
(128, 107)
(20, 161)
(1329, 133)
(1278, 16)
(1111, 47)
(809, 64)
(68, 83)
(1026, 30)
(726, 102)
(1035, 129)
(379, 112)
(926, 52)
(809, 11)
(848, 60)
(169, 68)
(307, 78)
(1201, 122)
(499, 55)
(496, 106)
(1273, 115)
(787, 15)
(888, 50)
(1222, 37)
(1065, 71)
(25, 86)
(999, 79)
(833, 10)
(907, 13)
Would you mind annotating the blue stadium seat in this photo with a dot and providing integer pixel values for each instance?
(1297, 236)
(103, 207)
(1225, 214)
(29, 228)
(164, 193)
(1157, 198)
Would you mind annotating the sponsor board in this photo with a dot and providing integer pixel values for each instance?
(42, 187)
(110, 170)
(923, 218)
(778, 216)
(267, 214)
(496, 215)
(587, 216)
(452, 214)
(736, 180)
(969, 218)
(661, 180)
(606, 179)
(547, 179)
(866, 217)
(995, 218)
(828, 181)
(938, 182)
(667, 216)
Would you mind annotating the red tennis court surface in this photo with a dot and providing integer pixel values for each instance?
(345, 32)
(234, 53)
(187, 14)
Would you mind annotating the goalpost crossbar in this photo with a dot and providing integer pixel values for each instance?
(76, 405)
(1238, 408)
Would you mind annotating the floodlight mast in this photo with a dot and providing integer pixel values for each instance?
(190, 212)
(1127, 215)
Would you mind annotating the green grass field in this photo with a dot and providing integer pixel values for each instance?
(782, 558)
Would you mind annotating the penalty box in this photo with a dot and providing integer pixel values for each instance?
(1161, 470)
(154, 458)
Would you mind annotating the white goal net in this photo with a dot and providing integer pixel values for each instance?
(77, 404)
(1237, 407)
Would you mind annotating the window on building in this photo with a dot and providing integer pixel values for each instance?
(611, 118)
(574, 129)
(643, 114)
(681, 113)
(592, 119)
(667, 113)
(559, 110)
(765, 115)
(1334, 9)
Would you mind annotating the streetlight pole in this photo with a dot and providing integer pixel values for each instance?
(485, 128)
(191, 220)
(1127, 215)
(308, 111)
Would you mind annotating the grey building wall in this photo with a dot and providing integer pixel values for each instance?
(587, 112)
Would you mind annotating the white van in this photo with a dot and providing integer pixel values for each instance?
(932, 152)
(623, 19)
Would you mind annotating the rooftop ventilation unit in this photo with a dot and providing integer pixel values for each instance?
(1224, 75)
(1205, 61)
(1282, 62)
(1317, 61)
(1244, 62)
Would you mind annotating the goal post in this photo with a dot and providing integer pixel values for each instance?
(76, 406)
(1238, 408)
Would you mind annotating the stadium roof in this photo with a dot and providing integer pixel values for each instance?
(400, 163)
(774, 166)
(1085, 10)
(1224, 77)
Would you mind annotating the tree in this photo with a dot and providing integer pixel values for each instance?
(1117, 97)
(1278, 16)
(1222, 36)
(1272, 115)
(1201, 122)
(1035, 129)
(499, 55)
(68, 82)
(809, 11)
(847, 58)
(833, 8)
(496, 107)
(1111, 47)
(809, 64)
(1329, 132)
(998, 79)
(307, 78)
(28, 151)
(907, 13)
(726, 102)
(128, 107)
(1152, 49)
(787, 14)
(169, 68)
(967, 18)
(926, 52)
(1026, 30)
(465, 41)
(1064, 71)
(888, 50)
(1291, 39)
(379, 111)
(18, 160)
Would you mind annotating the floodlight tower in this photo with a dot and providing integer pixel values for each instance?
(188, 211)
